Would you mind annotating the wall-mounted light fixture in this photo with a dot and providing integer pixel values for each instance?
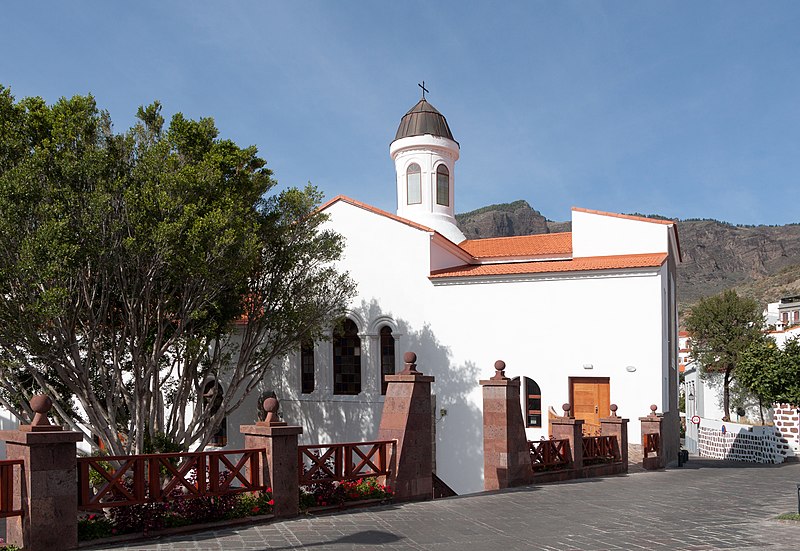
(588, 366)
(630, 368)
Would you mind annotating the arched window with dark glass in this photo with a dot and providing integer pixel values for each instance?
(347, 359)
(413, 184)
(533, 404)
(387, 356)
(443, 186)
(307, 367)
(212, 398)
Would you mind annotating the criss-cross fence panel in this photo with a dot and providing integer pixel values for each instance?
(598, 449)
(650, 443)
(114, 481)
(7, 467)
(346, 461)
(549, 454)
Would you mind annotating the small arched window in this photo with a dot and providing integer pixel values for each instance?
(307, 367)
(443, 186)
(413, 184)
(387, 356)
(533, 404)
(347, 359)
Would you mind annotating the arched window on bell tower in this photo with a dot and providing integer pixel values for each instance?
(413, 184)
(442, 186)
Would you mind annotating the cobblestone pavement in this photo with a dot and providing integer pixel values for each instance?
(705, 505)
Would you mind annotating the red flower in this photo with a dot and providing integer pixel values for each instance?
(271, 502)
(255, 509)
(269, 490)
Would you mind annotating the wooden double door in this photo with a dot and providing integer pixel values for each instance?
(590, 398)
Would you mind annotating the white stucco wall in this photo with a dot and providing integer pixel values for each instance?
(601, 235)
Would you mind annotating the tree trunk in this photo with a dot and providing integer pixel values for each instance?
(726, 395)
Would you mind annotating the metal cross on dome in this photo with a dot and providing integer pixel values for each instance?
(423, 89)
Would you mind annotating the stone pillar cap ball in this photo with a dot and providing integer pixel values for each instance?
(500, 367)
(653, 409)
(41, 404)
(566, 407)
(271, 405)
(613, 408)
(410, 359)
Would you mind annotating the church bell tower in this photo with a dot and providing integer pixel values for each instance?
(424, 154)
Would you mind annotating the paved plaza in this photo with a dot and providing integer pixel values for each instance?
(705, 505)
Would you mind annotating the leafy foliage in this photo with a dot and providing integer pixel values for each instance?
(722, 327)
(771, 373)
(137, 266)
(178, 511)
(324, 494)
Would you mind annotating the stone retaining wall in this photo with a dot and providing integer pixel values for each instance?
(787, 420)
(725, 440)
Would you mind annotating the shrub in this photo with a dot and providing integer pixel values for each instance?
(322, 494)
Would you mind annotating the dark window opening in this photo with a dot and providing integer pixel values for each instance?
(443, 186)
(387, 356)
(533, 404)
(212, 396)
(307, 367)
(347, 359)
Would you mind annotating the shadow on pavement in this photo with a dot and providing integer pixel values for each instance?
(367, 537)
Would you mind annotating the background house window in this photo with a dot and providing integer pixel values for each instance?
(442, 186)
(533, 404)
(347, 359)
(413, 184)
(307, 367)
(387, 356)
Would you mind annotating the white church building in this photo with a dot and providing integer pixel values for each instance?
(587, 317)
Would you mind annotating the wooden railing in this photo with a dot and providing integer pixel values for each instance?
(549, 454)
(132, 479)
(348, 461)
(7, 487)
(651, 442)
(599, 449)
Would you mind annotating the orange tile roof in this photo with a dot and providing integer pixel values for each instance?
(525, 245)
(375, 210)
(617, 262)
(626, 216)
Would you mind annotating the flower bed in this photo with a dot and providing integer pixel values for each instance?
(332, 494)
(180, 511)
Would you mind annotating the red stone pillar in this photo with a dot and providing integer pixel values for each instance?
(618, 427)
(280, 469)
(406, 417)
(652, 425)
(506, 456)
(47, 485)
(569, 428)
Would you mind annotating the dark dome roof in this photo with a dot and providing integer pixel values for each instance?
(423, 119)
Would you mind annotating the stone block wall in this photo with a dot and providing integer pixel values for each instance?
(725, 440)
(787, 420)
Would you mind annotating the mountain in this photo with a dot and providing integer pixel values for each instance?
(759, 261)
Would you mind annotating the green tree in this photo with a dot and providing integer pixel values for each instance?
(136, 267)
(722, 327)
(772, 374)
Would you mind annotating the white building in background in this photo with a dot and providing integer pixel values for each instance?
(553, 307)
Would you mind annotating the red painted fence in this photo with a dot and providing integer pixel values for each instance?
(650, 443)
(132, 479)
(598, 449)
(546, 454)
(347, 461)
(7, 487)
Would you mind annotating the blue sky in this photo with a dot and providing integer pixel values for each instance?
(685, 109)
